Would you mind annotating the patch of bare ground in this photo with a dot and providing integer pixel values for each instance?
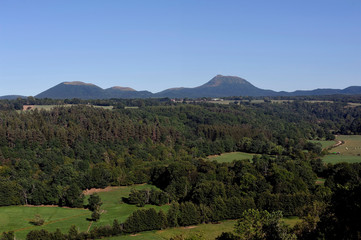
(318, 182)
(96, 190)
(338, 144)
(28, 205)
(189, 227)
(107, 189)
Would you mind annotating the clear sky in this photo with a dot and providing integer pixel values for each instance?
(158, 44)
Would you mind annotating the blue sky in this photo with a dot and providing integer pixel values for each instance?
(154, 45)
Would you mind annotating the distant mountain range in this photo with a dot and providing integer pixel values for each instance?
(219, 86)
(90, 91)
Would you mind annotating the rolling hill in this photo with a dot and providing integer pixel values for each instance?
(68, 90)
(219, 86)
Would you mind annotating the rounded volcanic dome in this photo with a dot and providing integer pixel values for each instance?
(220, 80)
(78, 83)
(123, 89)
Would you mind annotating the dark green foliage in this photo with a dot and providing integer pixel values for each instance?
(45, 235)
(341, 219)
(139, 198)
(38, 235)
(73, 197)
(9, 193)
(143, 220)
(94, 202)
(100, 232)
(255, 224)
(236, 206)
(50, 157)
(162, 220)
(95, 215)
(57, 235)
(228, 236)
(158, 198)
(188, 214)
(205, 192)
(8, 236)
(142, 197)
(37, 221)
(116, 228)
(73, 233)
(172, 215)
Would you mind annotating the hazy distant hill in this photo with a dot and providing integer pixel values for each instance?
(126, 92)
(324, 91)
(73, 90)
(11, 97)
(219, 86)
(90, 91)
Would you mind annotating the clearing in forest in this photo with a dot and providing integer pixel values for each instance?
(349, 151)
(230, 157)
(205, 231)
(17, 218)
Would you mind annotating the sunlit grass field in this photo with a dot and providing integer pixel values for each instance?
(17, 218)
(341, 158)
(349, 152)
(230, 157)
(207, 231)
(325, 144)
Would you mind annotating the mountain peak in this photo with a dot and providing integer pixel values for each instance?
(78, 83)
(220, 80)
(123, 89)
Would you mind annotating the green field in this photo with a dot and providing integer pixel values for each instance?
(292, 220)
(341, 158)
(207, 231)
(349, 152)
(16, 218)
(325, 144)
(320, 181)
(230, 157)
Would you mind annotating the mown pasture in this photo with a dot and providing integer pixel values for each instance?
(207, 231)
(17, 218)
(230, 157)
(349, 151)
(324, 143)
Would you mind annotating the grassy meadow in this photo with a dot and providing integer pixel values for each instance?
(324, 143)
(17, 218)
(207, 231)
(230, 157)
(349, 152)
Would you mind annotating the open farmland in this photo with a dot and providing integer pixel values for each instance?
(17, 218)
(349, 151)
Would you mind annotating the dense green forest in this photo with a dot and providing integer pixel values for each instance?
(51, 156)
